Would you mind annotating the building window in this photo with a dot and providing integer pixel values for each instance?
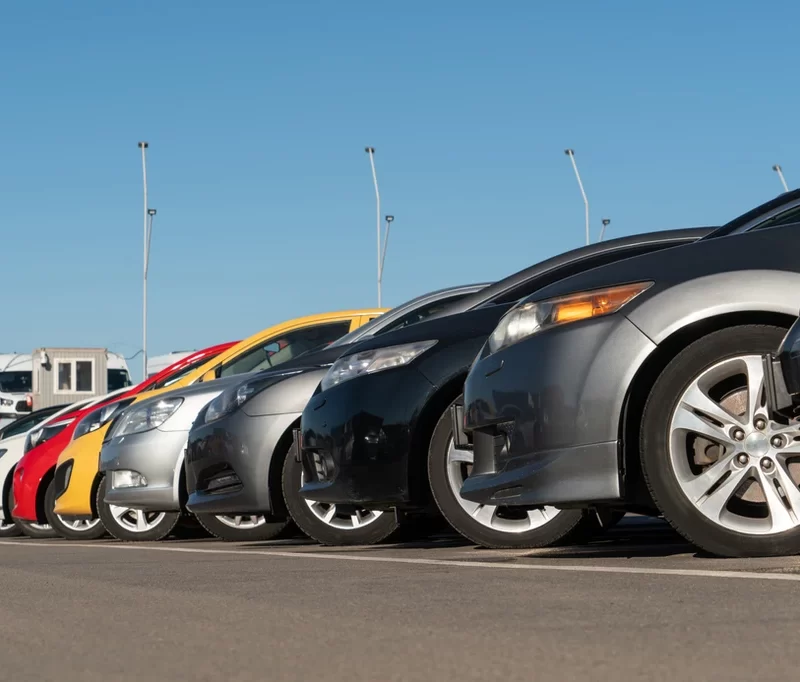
(74, 376)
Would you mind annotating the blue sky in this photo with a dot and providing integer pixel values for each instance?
(257, 114)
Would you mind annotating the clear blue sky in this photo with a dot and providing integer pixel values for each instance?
(257, 114)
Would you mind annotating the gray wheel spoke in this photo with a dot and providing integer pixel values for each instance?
(686, 418)
(713, 502)
(141, 521)
(698, 487)
(484, 514)
(458, 455)
(755, 386)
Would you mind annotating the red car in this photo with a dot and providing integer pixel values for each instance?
(35, 470)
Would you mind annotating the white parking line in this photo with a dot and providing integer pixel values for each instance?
(450, 563)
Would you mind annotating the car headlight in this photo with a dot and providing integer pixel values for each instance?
(44, 433)
(95, 419)
(531, 318)
(371, 361)
(233, 398)
(147, 417)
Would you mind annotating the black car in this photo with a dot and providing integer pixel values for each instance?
(640, 385)
(377, 434)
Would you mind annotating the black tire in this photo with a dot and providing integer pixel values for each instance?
(159, 531)
(94, 532)
(11, 530)
(377, 531)
(38, 531)
(269, 530)
(657, 469)
(568, 526)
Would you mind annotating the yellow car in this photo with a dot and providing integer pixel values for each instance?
(268, 348)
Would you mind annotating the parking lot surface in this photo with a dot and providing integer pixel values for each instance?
(637, 605)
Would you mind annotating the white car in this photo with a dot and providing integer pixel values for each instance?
(16, 382)
(44, 424)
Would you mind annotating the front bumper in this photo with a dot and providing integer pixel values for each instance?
(357, 436)
(228, 463)
(158, 456)
(76, 473)
(545, 415)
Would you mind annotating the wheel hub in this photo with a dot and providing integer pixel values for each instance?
(757, 444)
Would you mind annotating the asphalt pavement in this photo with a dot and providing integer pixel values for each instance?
(637, 605)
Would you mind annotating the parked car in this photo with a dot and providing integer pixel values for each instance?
(76, 468)
(143, 450)
(40, 444)
(639, 385)
(12, 440)
(377, 436)
(240, 440)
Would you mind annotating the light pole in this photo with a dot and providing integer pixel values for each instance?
(779, 171)
(143, 146)
(571, 154)
(371, 152)
(389, 221)
(606, 223)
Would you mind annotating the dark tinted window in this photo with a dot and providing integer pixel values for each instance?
(533, 285)
(285, 347)
(786, 218)
(421, 313)
(16, 382)
(117, 379)
(26, 423)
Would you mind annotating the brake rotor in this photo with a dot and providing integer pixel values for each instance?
(707, 452)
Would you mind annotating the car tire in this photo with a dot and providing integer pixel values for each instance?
(243, 527)
(309, 517)
(8, 527)
(486, 525)
(132, 525)
(714, 508)
(38, 531)
(70, 530)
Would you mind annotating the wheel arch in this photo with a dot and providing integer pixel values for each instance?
(275, 471)
(636, 493)
(41, 491)
(425, 423)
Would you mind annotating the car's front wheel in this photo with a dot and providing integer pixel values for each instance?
(32, 529)
(8, 527)
(721, 471)
(242, 527)
(71, 529)
(134, 525)
(332, 524)
(488, 525)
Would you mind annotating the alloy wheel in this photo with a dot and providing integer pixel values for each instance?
(504, 519)
(734, 464)
(136, 520)
(343, 517)
(79, 525)
(242, 521)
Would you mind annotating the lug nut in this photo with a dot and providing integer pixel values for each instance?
(777, 442)
(742, 459)
(738, 434)
(766, 464)
(761, 423)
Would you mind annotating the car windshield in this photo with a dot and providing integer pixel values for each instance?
(176, 376)
(15, 382)
(118, 378)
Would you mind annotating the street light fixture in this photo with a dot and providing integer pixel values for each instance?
(571, 154)
(389, 220)
(606, 222)
(779, 171)
(371, 152)
(143, 146)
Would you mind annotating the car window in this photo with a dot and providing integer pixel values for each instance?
(420, 314)
(172, 378)
(24, 424)
(532, 285)
(16, 382)
(285, 347)
(786, 218)
(118, 378)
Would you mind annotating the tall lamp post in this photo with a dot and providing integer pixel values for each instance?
(371, 152)
(571, 154)
(779, 171)
(148, 219)
(606, 222)
(389, 220)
